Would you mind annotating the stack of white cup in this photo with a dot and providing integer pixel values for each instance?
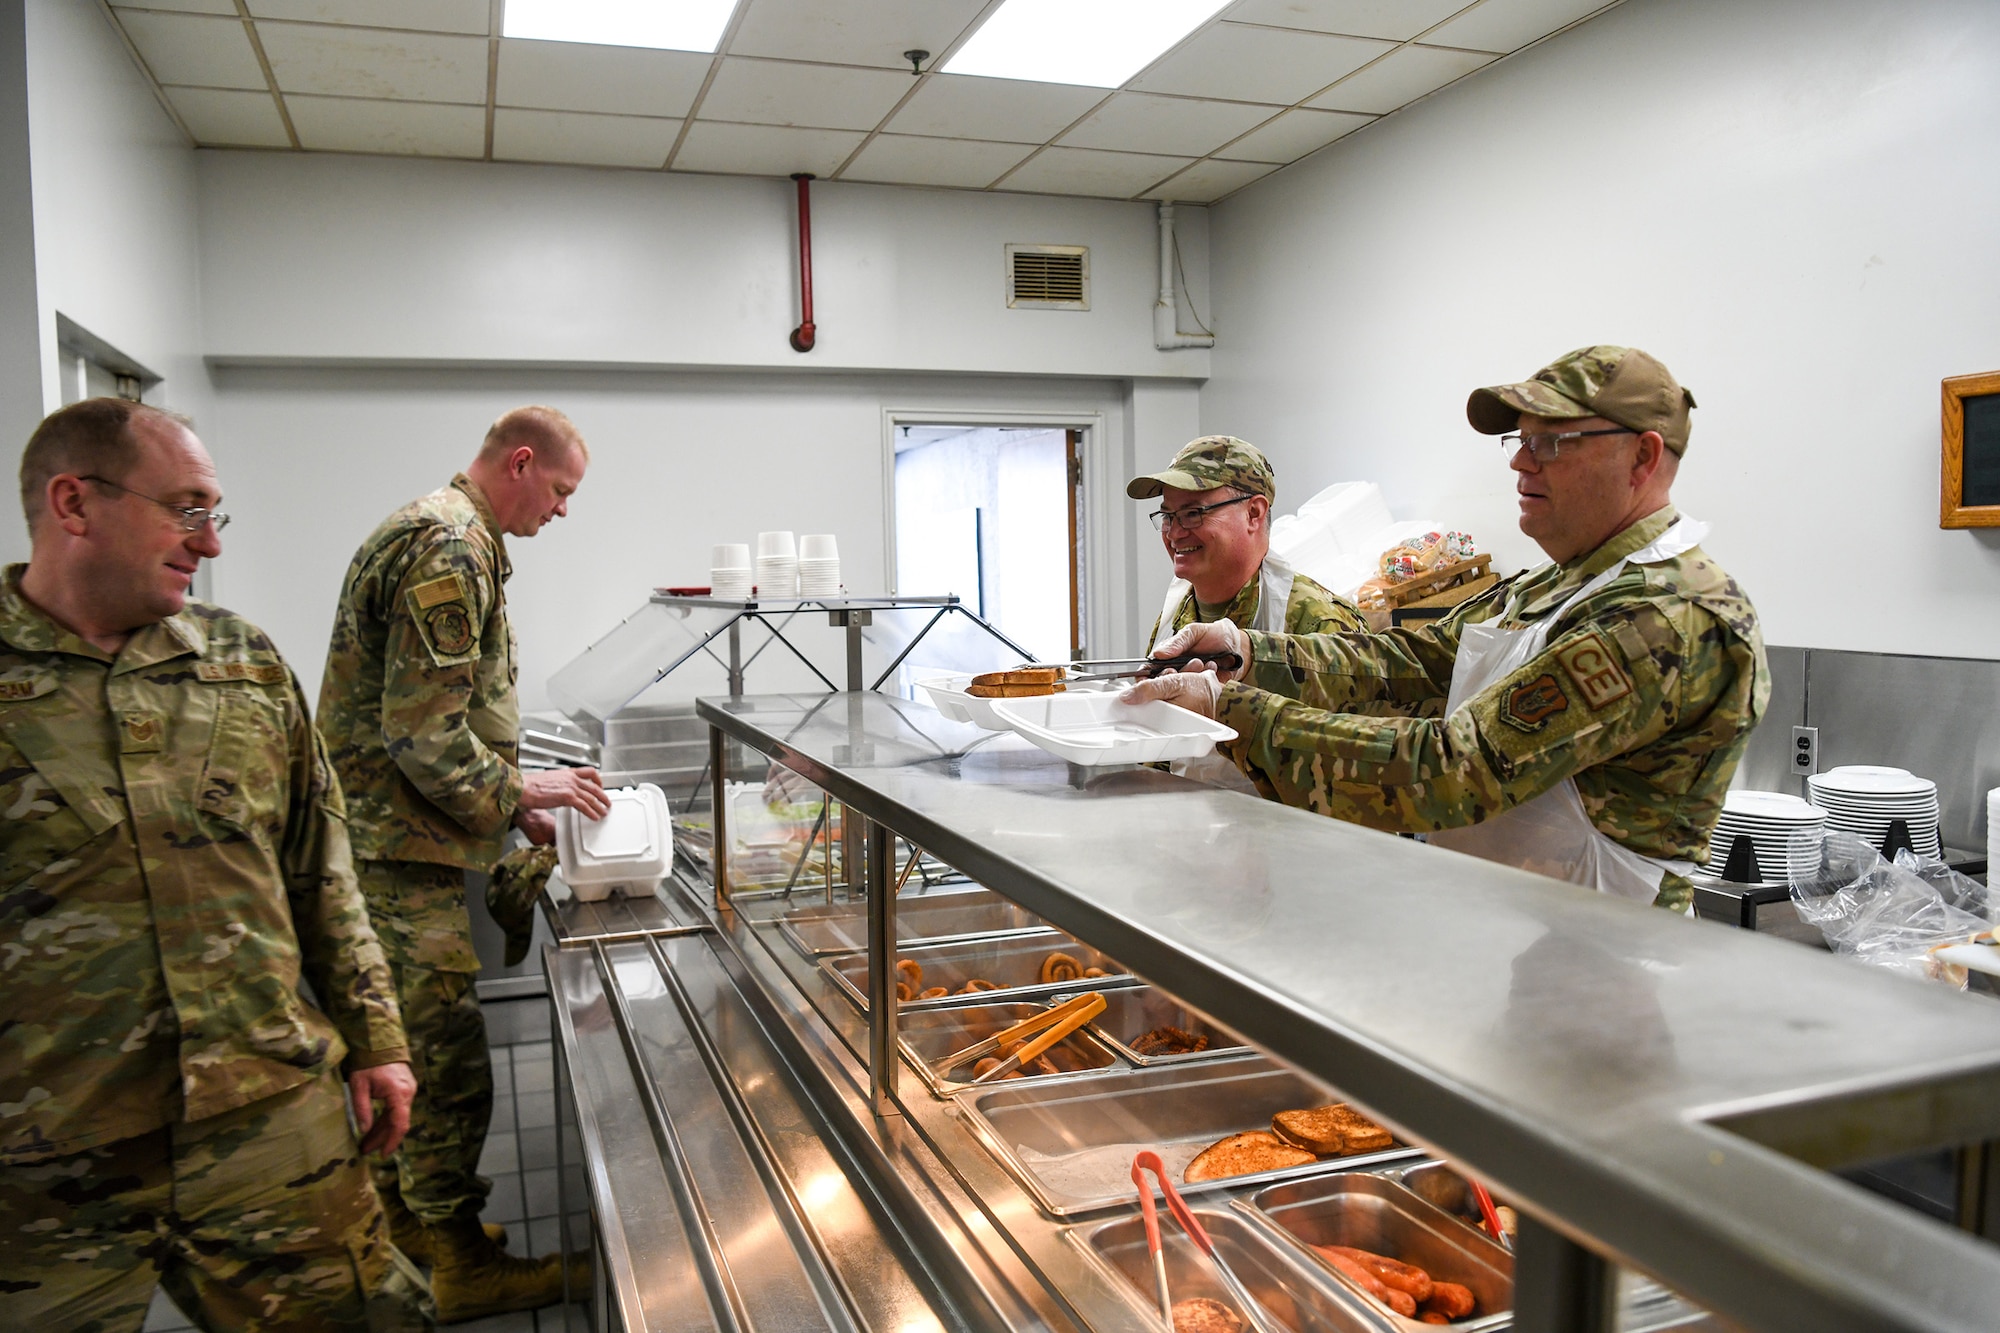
(819, 566)
(729, 570)
(777, 566)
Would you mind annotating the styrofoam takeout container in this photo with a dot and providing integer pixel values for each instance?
(628, 851)
(1096, 728)
(948, 696)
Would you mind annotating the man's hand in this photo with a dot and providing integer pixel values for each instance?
(392, 1085)
(1208, 642)
(577, 788)
(539, 825)
(784, 787)
(1196, 691)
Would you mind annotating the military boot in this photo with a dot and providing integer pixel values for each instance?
(471, 1277)
(410, 1234)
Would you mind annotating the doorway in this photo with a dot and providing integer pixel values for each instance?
(992, 513)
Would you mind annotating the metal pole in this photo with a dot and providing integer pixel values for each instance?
(1559, 1286)
(736, 658)
(855, 620)
(882, 1051)
(718, 854)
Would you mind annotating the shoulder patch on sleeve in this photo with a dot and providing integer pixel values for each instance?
(1595, 670)
(1529, 705)
(438, 591)
(261, 673)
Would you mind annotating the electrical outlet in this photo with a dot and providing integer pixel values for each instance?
(1805, 750)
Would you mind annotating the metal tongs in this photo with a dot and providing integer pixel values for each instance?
(1116, 668)
(1149, 1160)
(1060, 1021)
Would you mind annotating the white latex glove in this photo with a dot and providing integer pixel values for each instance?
(1209, 641)
(1196, 691)
(784, 787)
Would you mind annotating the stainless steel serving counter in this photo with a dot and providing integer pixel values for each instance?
(1653, 1091)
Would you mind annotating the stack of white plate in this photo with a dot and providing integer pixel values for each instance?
(819, 565)
(777, 565)
(729, 573)
(1785, 831)
(1864, 800)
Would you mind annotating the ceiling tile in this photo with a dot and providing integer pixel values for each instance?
(1398, 20)
(1147, 123)
(876, 33)
(962, 106)
(1205, 182)
(352, 125)
(193, 6)
(624, 80)
(206, 52)
(582, 140)
(764, 150)
(1089, 171)
(902, 159)
(366, 62)
(219, 117)
(1509, 25)
(766, 92)
(423, 15)
(1257, 64)
(1293, 135)
(1400, 78)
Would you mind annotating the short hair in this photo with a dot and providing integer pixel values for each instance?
(535, 426)
(92, 438)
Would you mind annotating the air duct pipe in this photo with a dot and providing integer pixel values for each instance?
(1167, 333)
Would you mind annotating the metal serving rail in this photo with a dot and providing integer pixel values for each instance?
(1651, 1091)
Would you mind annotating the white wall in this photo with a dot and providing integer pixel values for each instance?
(1795, 205)
(314, 458)
(114, 211)
(312, 257)
(20, 318)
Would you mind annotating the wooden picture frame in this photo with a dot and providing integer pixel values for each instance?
(1969, 490)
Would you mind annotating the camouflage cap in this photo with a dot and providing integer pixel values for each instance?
(1621, 384)
(1209, 462)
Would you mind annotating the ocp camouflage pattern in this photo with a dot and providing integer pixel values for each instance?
(417, 704)
(1311, 609)
(1646, 695)
(173, 860)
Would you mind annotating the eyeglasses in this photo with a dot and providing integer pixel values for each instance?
(1546, 448)
(191, 517)
(1193, 516)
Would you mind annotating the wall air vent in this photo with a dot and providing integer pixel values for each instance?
(1048, 277)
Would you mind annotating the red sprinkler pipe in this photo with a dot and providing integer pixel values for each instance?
(802, 336)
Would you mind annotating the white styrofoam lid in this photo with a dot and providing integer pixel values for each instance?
(624, 834)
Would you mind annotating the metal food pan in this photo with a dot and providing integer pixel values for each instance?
(929, 1035)
(1133, 1011)
(1070, 1142)
(824, 930)
(1293, 1293)
(1011, 962)
(1374, 1213)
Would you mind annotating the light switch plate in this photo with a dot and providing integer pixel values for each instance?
(1805, 750)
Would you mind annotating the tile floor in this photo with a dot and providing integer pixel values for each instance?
(520, 1158)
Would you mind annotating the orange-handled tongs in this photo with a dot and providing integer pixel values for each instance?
(1060, 1021)
(1150, 1161)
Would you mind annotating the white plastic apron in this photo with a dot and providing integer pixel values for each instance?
(1274, 594)
(1552, 834)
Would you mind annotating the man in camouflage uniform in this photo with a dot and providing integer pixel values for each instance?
(173, 865)
(1215, 521)
(1597, 706)
(419, 714)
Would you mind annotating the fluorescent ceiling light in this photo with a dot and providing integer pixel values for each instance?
(672, 25)
(1096, 43)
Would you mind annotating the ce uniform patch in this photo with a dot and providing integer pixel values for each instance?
(444, 617)
(1595, 671)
